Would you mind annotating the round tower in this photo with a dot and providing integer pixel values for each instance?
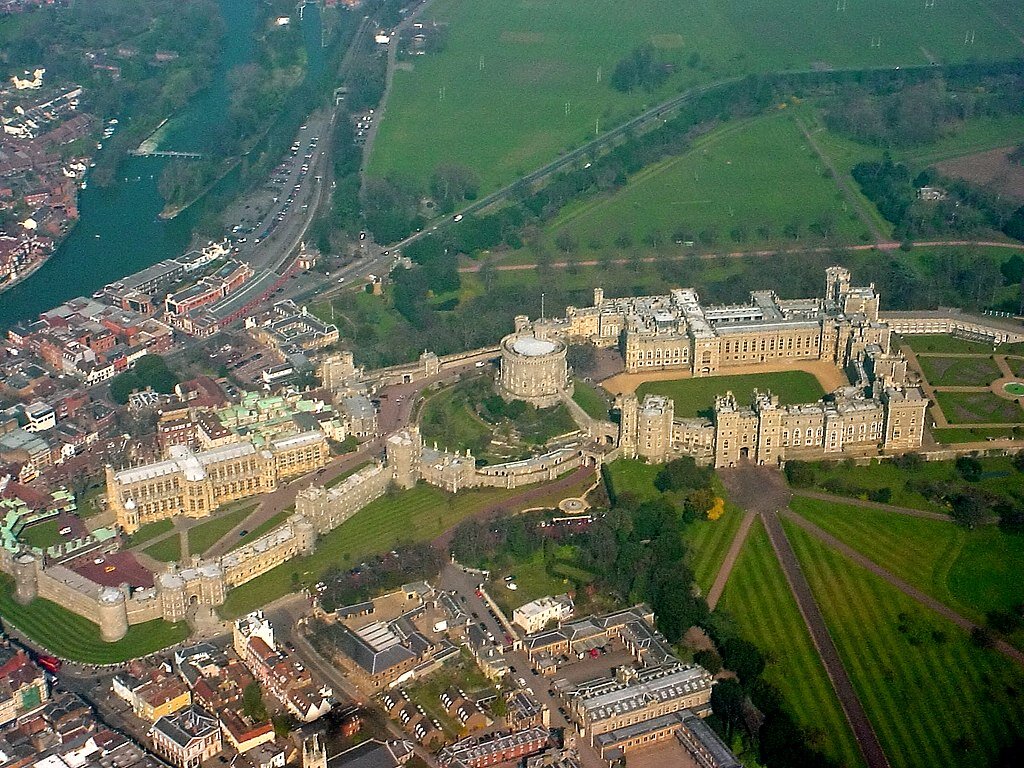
(26, 579)
(305, 534)
(113, 614)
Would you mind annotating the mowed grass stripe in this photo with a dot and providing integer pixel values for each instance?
(758, 598)
(933, 697)
(709, 541)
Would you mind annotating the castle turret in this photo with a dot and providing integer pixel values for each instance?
(113, 614)
(26, 578)
(628, 409)
(598, 297)
(403, 449)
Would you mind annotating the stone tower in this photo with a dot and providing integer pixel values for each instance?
(628, 413)
(769, 428)
(26, 578)
(403, 450)
(113, 614)
(837, 283)
(313, 753)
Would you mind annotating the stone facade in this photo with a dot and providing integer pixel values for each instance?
(533, 366)
(676, 332)
(195, 484)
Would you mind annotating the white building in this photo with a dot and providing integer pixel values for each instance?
(536, 614)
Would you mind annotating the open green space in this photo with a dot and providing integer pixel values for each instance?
(1014, 388)
(849, 479)
(471, 416)
(590, 399)
(150, 531)
(933, 697)
(1016, 365)
(629, 476)
(695, 397)
(518, 82)
(939, 343)
(418, 514)
(534, 579)
(166, 550)
(952, 435)
(758, 600)
(708, 542)
(752, 181)
(75, 638)
(205, 535)
(41, 535)
(978, 408)
(959, 371)
(973, 572)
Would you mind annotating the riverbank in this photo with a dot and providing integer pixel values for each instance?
(152, 142)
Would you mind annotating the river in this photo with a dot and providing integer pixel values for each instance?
(119, 231)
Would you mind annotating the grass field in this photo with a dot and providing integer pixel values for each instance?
(150, 531)
(747, 182)
(959, 371)
(972, 572)
(998, 475)
(757, 598)
(41, 535)
(940, 343)
(165, 550)
(709, 542)
(629, 476)
(532, 580)
(952, 435)
(932, 696)
(978, 408)
(418, 514)
(696, 396)
(72, 637)
(205, 535)
(519, 82)
(590, 399)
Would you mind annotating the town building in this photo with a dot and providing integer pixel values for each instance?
(369, 754)
(484, 751)
(537, 614)
(23, 686)
(187, 739)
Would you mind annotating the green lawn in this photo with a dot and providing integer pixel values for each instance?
(933, 697)
(696, 396)
(978, 408)
(758, 599)
(165, 550)
(972, 572)
(41, 535)
(462, 673)
(959, 371)
(631, 476)
(418, 514)
(952, 435)
(205, 535)
(72, 637)
(944, 343)
(150, 531)
(708, 542)
(590, 399)
(748, 182)
(532, 580)
(519, 82)
(998, 475)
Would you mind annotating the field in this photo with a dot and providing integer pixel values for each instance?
(628, 476)
(165, 550)
(708, 541)
(150, 531)
(519, 82)
(694, 397)
(932, 696)
(532, 580)
(41, 535)
(590, 399)
(749, 182)
(205, 535)
(757, 598)
(418, 514)
(940, 343)
(992, 169)
(972, 572)
(952, 435)
(72, 637)
(998, 475)
(959, 371)
(978, 408)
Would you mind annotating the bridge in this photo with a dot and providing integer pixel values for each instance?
(167, 153)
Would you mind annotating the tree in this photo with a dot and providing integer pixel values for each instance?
(969, 508)
(800, 474)
(709, 659)
(252, 702)
(681, 473)
(970, 468)
(727, 698)
(743, 658)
